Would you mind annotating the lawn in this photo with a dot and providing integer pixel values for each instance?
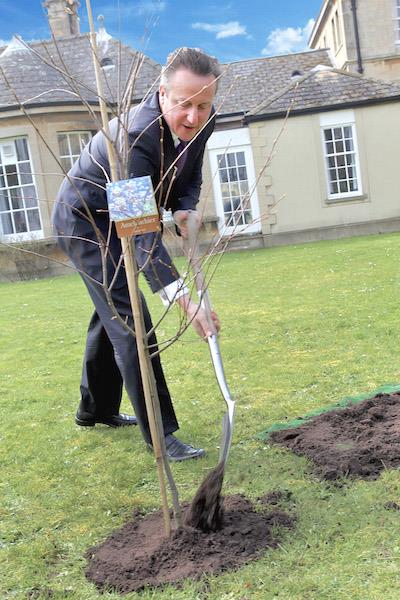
(303, 327)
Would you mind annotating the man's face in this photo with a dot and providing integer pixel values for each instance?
(187, 101)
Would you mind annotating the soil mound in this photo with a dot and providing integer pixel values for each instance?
(139, 555)
(358, 441)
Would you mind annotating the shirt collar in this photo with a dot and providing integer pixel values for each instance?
(177, 141)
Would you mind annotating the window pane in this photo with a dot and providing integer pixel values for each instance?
(332, 174)
(242, 173)
(328, 134)
(231, 159)
(16, 198)
(225, 190)
(4, 201)
(66, 164)
(329, 148)
(331, 161)
(20, 222)
(223, 175)
(240, 158)
(74, 140)
(233, 175)
(6, 226)
(234, 189)
(84, 138)
(337, 132)
(339, 147)
(22, 149)
(25, 172)
(12, 177)
(63, 144)
(343, 186)
(244, 187)
(341, 160)
(33, 220)
(247, 216)
(342, 173)
(30, 196)
(2, 180)
(221, 158)
(349, 145)
(353, 185)
(333, 187)
(228, 217)
(347, 132)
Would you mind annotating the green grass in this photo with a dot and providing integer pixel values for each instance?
(303, 326)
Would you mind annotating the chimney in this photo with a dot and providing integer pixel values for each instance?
(63, 17)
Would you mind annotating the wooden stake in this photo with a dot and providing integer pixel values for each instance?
(151, 396)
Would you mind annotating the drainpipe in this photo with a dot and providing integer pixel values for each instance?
(360, 68)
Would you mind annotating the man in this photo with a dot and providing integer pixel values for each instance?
(181, 112)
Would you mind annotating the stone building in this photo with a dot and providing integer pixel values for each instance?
(362, 35)
(301, 151)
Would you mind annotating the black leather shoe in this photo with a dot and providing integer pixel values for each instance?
(177, 450)
(120, 420)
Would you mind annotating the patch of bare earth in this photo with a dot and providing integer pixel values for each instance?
(139, 555)
(358, 441)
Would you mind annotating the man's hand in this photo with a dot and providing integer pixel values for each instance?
(181, 217)
(198, 317)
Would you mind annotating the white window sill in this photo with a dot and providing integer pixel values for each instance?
(356, 198)
(16, 238)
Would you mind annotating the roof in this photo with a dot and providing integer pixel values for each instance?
(323, 89)
(40, 73)
(247, 82)
(37, 74)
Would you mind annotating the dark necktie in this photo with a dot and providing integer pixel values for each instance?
(181, 158)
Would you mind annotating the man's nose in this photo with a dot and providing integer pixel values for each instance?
(193, 116)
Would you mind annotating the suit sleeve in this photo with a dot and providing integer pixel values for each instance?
(151, 255)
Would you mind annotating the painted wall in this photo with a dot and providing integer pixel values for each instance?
(297, 197)
(42, 139)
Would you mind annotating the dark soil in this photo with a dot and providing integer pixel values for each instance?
(139, 554)
(206, 511)
(358, 441)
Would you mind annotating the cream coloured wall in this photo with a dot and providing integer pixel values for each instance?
(297, 172)
(42, 139)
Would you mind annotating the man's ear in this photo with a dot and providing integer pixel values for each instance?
(162, 93)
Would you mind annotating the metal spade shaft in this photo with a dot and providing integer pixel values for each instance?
(191, 248)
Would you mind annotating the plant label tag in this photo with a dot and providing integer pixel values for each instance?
(132, 206)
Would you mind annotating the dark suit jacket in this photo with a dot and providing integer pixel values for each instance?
(152, 152)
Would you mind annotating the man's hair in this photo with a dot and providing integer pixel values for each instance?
(192, 59)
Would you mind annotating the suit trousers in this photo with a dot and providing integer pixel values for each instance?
(111, 360)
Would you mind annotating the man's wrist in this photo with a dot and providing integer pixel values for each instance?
(173, 292)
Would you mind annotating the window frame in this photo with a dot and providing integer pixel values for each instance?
(71, 156)
(22, 235)
(228, 142)
(342, 119)
(397, 20)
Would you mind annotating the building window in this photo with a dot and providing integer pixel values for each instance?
(19, 209)
(234, 182)
(336, 31)
(341, 161)
(234, 185)
(397, 20)
(71, 145)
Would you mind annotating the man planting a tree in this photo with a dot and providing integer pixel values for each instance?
(179, 116)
